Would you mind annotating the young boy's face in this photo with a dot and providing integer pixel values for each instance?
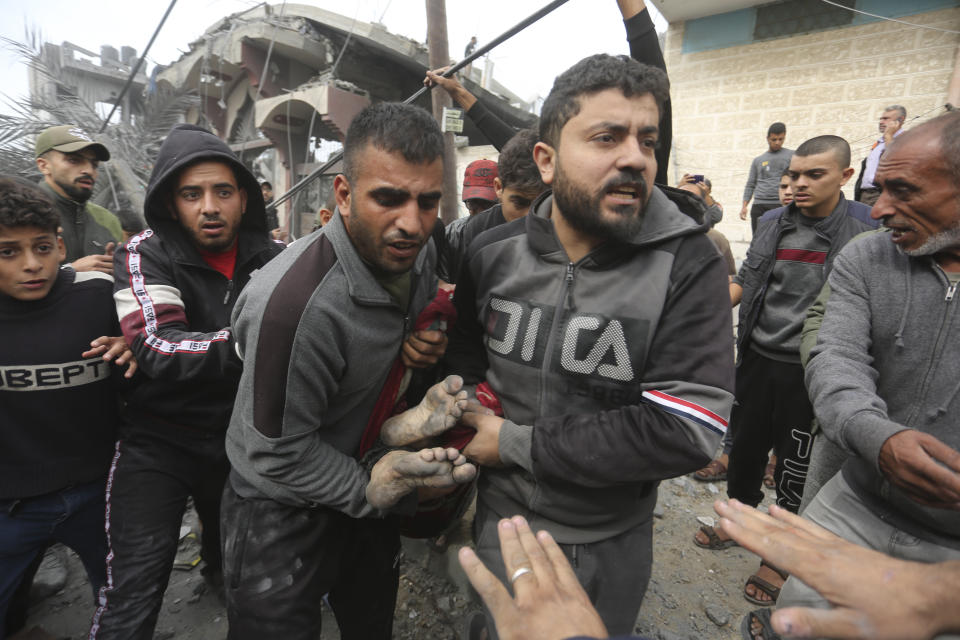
(29, 260)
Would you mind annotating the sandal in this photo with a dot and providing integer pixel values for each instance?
(764, 586)
(763, 617)
(768, 479)
(713, 472)
(477, 627)
(715, 544)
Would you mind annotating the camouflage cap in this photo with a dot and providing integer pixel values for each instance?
(69, 138)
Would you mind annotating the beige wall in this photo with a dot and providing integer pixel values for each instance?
(834, 81)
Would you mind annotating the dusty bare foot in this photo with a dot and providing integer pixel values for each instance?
(438, 411)
(400, 472)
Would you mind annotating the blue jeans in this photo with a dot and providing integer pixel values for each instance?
(73, 516)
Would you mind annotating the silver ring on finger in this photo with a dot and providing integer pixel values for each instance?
(519, 572)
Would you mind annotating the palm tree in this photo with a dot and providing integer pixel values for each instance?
(132, 145)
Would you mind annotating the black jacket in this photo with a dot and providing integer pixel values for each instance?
(174, 308)
(87, 228)
(847, 220)
(858, 185)
(458, 237)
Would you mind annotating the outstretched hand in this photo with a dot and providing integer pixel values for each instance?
(548, 601)
(113, 348)
(874, 596)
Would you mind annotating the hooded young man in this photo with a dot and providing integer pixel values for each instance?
(176, 284)
(600, 321)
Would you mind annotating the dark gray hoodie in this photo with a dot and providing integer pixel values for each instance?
(614, 372)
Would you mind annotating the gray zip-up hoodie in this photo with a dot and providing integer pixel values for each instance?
(614, 372)
(887, 359)
(318, 335)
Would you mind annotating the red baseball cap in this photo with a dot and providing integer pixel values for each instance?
(478, 180)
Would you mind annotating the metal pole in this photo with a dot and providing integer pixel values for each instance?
(439, 56)
(136, 67)
(506, 35)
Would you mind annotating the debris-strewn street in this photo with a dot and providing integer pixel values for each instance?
(694, 593)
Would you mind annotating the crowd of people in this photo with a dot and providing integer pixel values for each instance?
(556, 354)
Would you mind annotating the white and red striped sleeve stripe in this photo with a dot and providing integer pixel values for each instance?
(686, 409)
(142, 308)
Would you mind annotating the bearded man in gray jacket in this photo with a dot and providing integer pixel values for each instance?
(601, 323)
(884, 376)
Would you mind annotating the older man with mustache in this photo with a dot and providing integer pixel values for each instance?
(883, 376)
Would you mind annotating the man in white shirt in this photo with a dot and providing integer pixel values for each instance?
(891, 120)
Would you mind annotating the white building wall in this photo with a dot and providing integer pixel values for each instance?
(830, 82)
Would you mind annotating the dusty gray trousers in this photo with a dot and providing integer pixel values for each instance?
(838, 509)
(614, 572)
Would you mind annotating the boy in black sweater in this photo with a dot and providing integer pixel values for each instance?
(58, 404)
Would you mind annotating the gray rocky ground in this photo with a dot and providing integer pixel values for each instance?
(694, 593)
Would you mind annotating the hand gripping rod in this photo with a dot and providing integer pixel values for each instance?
(506, 35)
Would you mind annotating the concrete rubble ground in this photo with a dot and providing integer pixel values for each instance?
(693, 594)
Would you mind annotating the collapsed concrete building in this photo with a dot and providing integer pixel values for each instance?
(68, 73)
(98, 84)
(288, 81)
